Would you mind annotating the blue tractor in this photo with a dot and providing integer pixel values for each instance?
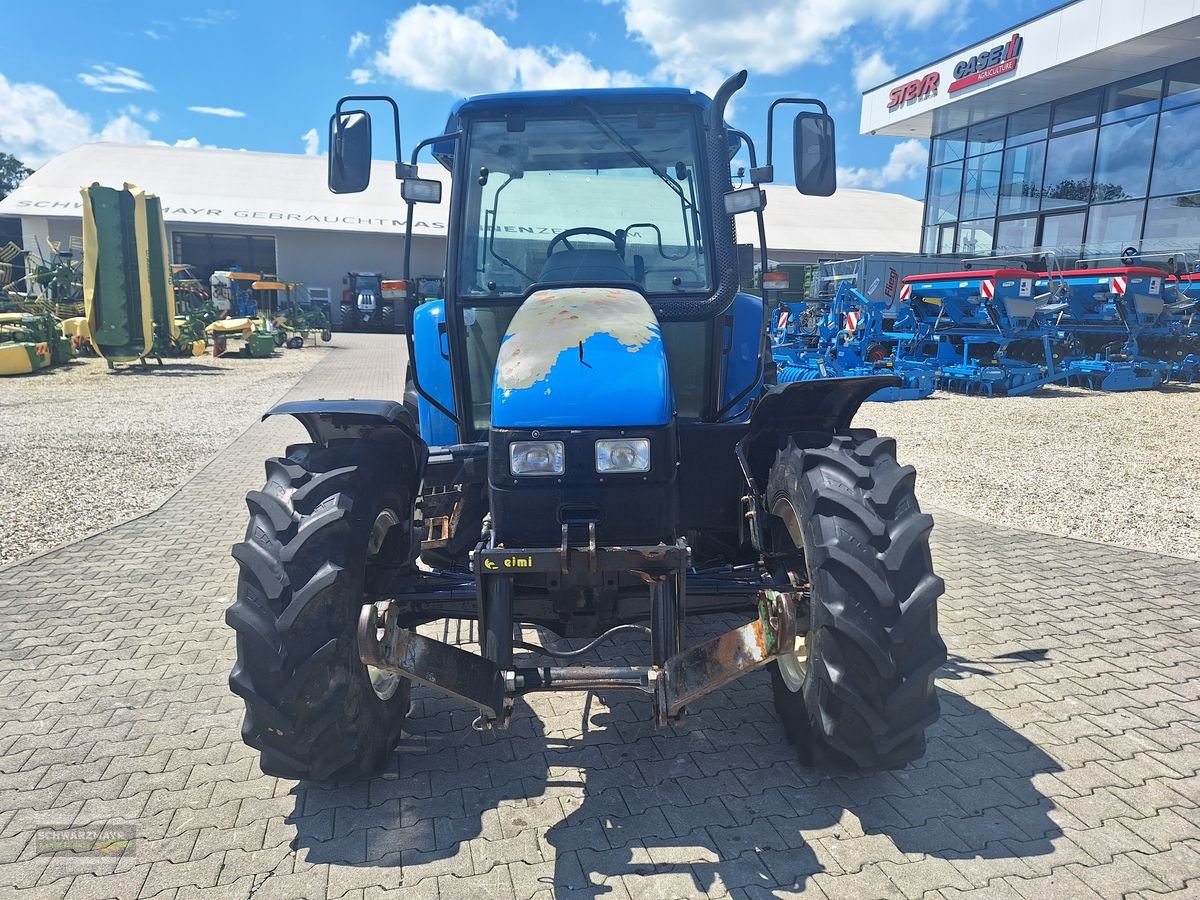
(591, 446)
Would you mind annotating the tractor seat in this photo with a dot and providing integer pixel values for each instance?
(585, 266)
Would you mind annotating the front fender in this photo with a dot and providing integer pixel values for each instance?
(371, 420)
(822, 405)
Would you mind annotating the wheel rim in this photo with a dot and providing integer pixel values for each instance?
(383, 682)
(793, 667)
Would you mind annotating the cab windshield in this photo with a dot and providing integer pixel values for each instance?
(588, 198)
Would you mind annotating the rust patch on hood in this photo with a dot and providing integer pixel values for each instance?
(553, 321)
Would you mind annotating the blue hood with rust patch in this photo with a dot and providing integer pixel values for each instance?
(580, 357)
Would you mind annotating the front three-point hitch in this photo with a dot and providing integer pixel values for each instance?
(675, 676)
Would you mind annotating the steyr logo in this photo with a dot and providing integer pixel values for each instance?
(990, 64)
(917, 89)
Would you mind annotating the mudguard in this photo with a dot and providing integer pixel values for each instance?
(382, 420)
(823, 405)
(582, 358)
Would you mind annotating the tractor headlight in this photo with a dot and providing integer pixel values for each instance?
(535, 457)
(623, 455)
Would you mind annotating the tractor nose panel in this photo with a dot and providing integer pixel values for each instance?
(582, 357)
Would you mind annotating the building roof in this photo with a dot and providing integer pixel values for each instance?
(280, 191)
(1068, 49)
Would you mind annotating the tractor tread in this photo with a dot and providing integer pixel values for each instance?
(309, 707)
(874, 649)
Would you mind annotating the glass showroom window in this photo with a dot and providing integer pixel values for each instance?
(1132, 97)
(1068, 180)
(1123, 160)
(1016, 235)
(1021, 180)
(1177, 158)
(975, 238)
(981, 187)
(1064, 233)
(1029, 125)
(985, 137)
(1183, 84)
(1172, 223)
(1075, 112)
(945, 186)
(1114, 226)
(949, 147)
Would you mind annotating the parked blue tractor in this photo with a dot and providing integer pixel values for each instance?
(590, 446)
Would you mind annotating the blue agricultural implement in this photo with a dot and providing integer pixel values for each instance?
(849, 340)
(589, 446)
(980, 331)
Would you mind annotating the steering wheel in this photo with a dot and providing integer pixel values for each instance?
(1129, 256)
(563, 236)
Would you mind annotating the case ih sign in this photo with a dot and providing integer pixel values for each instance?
(987, 65)
(967, 72)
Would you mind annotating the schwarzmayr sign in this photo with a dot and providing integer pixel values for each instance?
(987, 65)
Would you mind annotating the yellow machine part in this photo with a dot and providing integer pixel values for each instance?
(239, 327)
(17, 359)
(91, 254)
(199, 346)
(141, 230)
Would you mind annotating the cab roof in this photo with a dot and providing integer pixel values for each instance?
(511, 100)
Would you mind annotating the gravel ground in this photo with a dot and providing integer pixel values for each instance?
(1115, 468)
(82, 448)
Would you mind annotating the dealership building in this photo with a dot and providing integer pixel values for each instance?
(272, 213)
(1077, 131)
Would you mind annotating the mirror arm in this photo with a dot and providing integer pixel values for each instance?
(402, 170)
(766, 174)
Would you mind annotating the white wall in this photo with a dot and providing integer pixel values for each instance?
(1088, 43)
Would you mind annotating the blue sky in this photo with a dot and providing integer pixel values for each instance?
(265, 75)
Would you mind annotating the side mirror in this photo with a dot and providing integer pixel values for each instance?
(421, 190)
(813, 154)
(349, 152)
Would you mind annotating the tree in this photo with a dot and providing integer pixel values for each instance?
(12, 173)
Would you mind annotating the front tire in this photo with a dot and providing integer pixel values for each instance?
(859, 691)
(325, 517)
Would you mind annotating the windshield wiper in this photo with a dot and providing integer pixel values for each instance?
(638, 157)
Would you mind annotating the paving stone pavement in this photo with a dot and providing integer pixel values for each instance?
(1065, 764)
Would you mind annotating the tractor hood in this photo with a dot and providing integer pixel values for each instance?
(582, 357)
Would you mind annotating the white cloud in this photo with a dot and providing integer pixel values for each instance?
(700, 42)
(360, 76)
(189, 142)
(437, 48)
(152, 116)
(312, 142)
(873, 71)
(906, 161)
(358, 41)
(223, 111)
(123, 130)
(152, 34)
(211, 17)
(487, 8)
(37, 125)
(115, 80)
